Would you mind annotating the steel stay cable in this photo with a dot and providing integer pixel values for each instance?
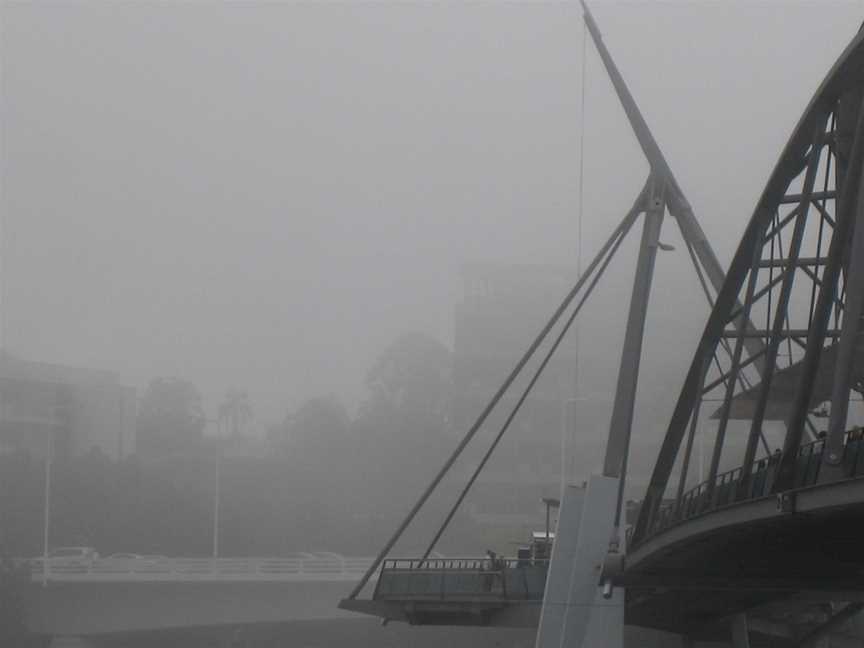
(525, 393)
(466, 439)
(583, 91)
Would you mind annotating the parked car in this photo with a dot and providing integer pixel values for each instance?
(74, 554)
(68, 557)
(124, 556)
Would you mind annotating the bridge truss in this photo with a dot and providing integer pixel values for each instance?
(782, 502)
(799, 270)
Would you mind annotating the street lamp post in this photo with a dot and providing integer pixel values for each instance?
(217, 495)
(216, 512)
(550, 503)
(46, 523)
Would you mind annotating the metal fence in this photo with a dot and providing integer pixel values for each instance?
(461, 579)
(729, 488)
(329, 567)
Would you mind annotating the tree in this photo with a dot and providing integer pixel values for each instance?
(319, 424)
(399, 434)
(14, 584)
(412, 376)
(235, 411)
(170, 419)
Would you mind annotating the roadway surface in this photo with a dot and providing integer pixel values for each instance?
(103, 597)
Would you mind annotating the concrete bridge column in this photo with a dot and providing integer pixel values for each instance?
(66, 641)
(740, 631)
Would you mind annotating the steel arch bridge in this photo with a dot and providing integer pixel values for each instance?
(772, 522)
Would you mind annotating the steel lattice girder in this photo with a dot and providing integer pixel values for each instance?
(790, 270)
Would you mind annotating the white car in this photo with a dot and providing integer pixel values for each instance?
(68, 557)
(83, 554)
(124, 556)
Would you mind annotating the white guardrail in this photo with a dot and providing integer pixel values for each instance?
(314, 567)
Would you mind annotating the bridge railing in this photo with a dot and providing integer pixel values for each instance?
(461, 580)
(329, 566)
(731, 488)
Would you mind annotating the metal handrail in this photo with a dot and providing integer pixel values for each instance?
(199, 568)
(727, 487)
(455, 579)
(484, 564)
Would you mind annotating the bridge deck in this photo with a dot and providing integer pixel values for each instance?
(733, 487)
(803, 541)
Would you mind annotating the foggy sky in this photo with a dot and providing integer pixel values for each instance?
(263, 196)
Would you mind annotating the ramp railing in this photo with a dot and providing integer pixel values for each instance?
(729, 488)
(311, 567)
(461, 579)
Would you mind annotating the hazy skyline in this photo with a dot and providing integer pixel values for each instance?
(263, 196)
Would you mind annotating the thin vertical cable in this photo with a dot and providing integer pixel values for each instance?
(580, 207)
(581, 204)
(4, 230)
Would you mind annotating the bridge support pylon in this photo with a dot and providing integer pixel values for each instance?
(740, 631)
(575, 611)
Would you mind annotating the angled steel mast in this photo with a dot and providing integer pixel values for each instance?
(573, 611)
(661, 193)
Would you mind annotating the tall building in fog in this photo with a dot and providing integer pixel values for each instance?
(502, 309)
(78, 409)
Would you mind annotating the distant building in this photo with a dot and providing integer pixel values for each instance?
(502, 310)
(79, 409)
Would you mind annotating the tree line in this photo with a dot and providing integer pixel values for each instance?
(328, 481)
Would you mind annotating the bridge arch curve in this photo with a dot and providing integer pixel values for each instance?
(784, 490)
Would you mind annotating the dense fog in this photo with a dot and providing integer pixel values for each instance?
(263, 264)
(263, 196)
(262, 219)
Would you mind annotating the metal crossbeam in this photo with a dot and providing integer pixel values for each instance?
(782, 309)
(764, 235)
(816, 195)
(822, 311)
(786, 262)
(789, 333)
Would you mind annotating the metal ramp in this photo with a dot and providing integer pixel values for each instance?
(458, 591)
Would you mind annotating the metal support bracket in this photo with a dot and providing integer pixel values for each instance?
(786, 502)
(740, 631)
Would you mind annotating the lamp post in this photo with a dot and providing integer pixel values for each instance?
(216, 504)
(217, 495)
(46, 522)
(550, 503)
